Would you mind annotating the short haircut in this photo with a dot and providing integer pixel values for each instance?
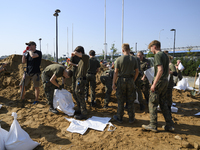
(70, 73)
(66, 58)
(80, 49)
(92, 52)
(132, 53)
(140, 52)
(125, 47)
(156, 43)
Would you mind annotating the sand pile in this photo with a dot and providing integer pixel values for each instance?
(50, 130)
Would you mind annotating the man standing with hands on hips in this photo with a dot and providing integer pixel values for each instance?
(32, 57)
(158, 89)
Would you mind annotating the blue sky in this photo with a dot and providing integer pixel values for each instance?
(24, 20)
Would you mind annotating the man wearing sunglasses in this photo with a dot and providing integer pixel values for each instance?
(32, 57)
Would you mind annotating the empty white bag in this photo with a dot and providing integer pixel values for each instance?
(150, 74)
(17, 138)
(180, 67)
(3, 135)
(62, 100)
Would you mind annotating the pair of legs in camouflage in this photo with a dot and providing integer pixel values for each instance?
(159, 97)
(126, 92)
(107, 81)
(79, 95)
(91, 80)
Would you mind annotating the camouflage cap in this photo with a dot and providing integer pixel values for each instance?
(31, 43)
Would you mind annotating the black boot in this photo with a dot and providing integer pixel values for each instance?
(51, 109)
(80, 117)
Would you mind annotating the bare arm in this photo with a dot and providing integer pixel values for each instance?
(77, 54)
(53, 80)
(33, 55)
(157, 78)
(23, 59)
(115, 78)
(71, 63)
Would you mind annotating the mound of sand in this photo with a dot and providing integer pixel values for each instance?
(50, 130)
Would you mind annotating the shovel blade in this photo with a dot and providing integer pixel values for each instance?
(193, 92)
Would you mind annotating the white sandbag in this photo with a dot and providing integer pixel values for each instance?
(62, 100)
(183, 85)
(197, 81)
(150, 74)
(0, 108)
(17, 138)
(3, 136)
(180, 67)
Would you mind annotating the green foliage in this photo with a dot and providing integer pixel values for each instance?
(150, 54)
(113, 48)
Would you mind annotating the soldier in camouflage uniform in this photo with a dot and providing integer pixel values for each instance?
(158, 89)
(126, 69)
(81, 112)
(106, 79)
(144, 64)
(49, 79)
(91, 77)
(138, 83)
(172, 72)
(74, 62)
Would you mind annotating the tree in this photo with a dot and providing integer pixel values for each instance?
(113, 48)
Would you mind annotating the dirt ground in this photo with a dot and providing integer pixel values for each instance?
(50, 131)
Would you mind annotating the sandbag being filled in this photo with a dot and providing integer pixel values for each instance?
(17, 138)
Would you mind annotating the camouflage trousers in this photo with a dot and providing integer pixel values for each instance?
(145, 89)
(169, 98)
(126, 92)
(138, 83)
(48, 89)
(107, 81)
(79, 95)
(159, 97)
(91, 80)
(73, 85)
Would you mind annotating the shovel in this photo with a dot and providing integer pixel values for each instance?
(193, 92)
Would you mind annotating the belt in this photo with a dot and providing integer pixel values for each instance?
(91, 73)
(82, 78)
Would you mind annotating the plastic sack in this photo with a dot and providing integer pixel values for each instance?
(183, 85)
(62, 100)
(3, 136)
(197, 81)
(180, 67)
(17, 138)
(150, 74)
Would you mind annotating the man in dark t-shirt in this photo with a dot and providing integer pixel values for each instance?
(91, 77)
(32, 57)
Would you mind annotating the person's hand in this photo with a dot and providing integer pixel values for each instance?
(114, 87)
(153, 88)
(142, 78)
(73, 54)
(60, 87)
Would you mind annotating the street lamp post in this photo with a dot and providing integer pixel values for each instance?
(174, 41)
(40, 42)
(56, 15)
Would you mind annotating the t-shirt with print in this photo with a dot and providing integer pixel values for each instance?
(126, 66)
(161, 58)
(52, 69)
(82, 66)
(93, 65)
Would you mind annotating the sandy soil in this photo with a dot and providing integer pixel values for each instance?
(50, 130)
